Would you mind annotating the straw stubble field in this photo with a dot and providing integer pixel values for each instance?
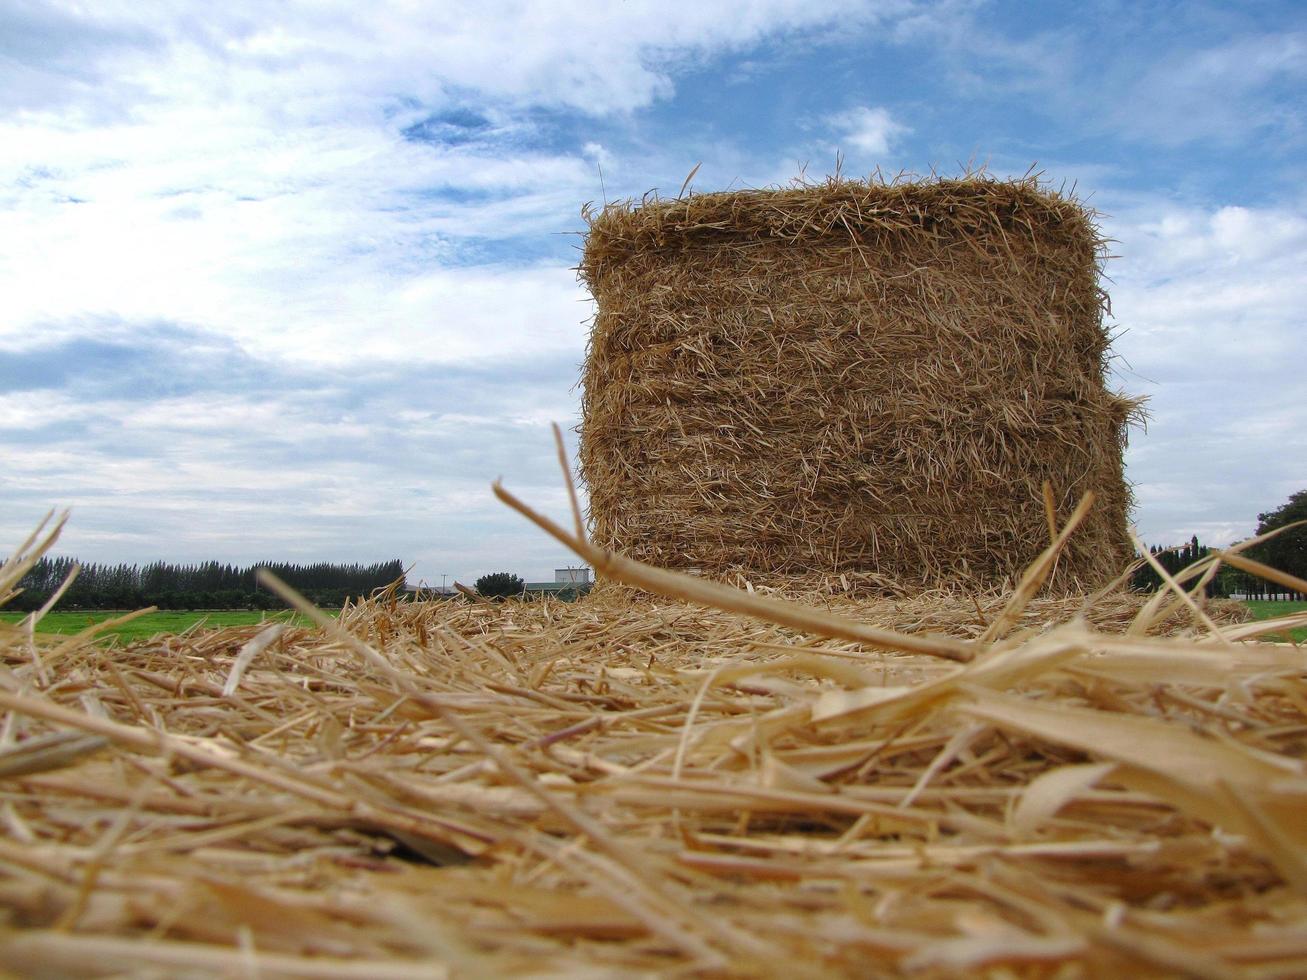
(670, 777)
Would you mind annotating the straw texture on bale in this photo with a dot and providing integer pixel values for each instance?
(852, 377)
(669, 787)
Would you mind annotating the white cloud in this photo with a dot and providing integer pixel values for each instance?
(1210, 301)
(871, 131)
(324, 246)
(591, 55)
(294, 473)
(482, 314)
(1209, 293)
(245, 173)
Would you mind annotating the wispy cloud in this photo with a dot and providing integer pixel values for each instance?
(1209, 304)
(189, 446)
(1217, 94)
(868, 130)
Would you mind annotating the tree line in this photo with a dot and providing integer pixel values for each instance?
(207, 585)
(1287, 552)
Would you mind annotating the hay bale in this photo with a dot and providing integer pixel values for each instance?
(852, 378)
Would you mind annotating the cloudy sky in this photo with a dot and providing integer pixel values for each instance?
(295, 280)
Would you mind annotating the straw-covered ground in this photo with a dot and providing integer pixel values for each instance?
(689, 780)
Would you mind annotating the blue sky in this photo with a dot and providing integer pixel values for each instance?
(297, 280)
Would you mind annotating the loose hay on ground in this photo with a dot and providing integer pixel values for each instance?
(619, 787)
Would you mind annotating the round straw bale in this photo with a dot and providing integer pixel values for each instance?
(853, 378)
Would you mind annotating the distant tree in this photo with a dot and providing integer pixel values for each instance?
(499, 585)
(1286, 551)
(1174, 561)
(209, 585)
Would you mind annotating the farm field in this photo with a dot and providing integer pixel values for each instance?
(179, 621)
(1262, 609)
(170, 621)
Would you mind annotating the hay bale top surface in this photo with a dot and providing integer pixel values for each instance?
(837, 209)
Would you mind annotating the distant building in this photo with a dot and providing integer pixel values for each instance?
(573, 576)
(567, 581)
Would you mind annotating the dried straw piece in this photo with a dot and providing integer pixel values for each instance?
(677, 586)
(853, 377)
(48, 752)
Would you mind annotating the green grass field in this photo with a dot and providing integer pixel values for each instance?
(152, 624)
(1274, 610)
(173, 621)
